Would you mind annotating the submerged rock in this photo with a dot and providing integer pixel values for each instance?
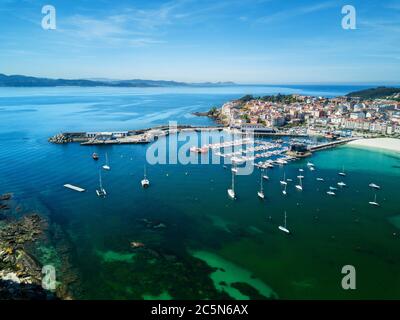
(5, 196)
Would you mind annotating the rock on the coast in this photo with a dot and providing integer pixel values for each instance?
(60, 139)
(20, 273)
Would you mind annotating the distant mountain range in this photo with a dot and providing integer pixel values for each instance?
(26, 81)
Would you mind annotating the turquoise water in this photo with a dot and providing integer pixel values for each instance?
(208, 246)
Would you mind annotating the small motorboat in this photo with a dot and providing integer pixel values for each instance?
(331, 193)
(95, 156)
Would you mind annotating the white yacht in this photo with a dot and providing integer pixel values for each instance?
(374, 203)
(320, 179)
(331, 193)
(284, 227)
(231, 191)
(341, 184)
(373, 185)
(283, 181)
(342, 173)
(145, 182)
(261, 192)
(300, 185)
(234, 168)
(106, 166)
(101, 192)
(284, 190)
(265, 176)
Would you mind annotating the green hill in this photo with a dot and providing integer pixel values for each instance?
(375, 93)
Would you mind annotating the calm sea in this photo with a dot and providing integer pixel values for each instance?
(198, 243)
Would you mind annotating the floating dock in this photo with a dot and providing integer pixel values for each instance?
(75, 188)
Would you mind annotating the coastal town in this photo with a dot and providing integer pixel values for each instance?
(276, 115)
(339, 116)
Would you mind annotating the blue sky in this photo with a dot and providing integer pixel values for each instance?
(246, 41)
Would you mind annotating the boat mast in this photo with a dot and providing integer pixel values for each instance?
(145, 171)
(285, 219)
(100, 182)
(261, 183)
(233, 181)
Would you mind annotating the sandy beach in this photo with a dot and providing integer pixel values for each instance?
(390, 144)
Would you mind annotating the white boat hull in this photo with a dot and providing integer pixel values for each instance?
(283, 229)
(105, 167)
(375, 186)
(231, 193)
(299, 187)
(373, 203)
(101, 192)
(145, 183)
(260, 195)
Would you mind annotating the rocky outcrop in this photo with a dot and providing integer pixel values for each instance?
(20, 273)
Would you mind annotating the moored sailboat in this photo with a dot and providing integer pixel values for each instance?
(284, 227)
(145, 182)
(101, 192)
(106, 166)
(374, 203)
(373, 185)
(300, 185)
(231, 191)
(261, 192)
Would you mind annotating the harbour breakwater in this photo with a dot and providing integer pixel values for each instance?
(141, 136)
(148, 135)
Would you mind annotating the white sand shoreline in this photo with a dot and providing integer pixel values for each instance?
(390, 144)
